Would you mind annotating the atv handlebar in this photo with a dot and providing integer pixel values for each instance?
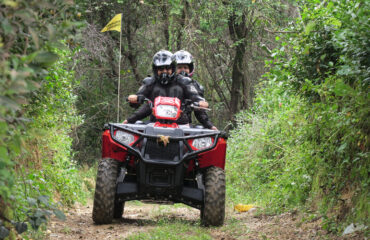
(188, 104)
(191, 106)
(141, 99)
(194, 107)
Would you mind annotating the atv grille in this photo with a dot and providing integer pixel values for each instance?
(155, 150)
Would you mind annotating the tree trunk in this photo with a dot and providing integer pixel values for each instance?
(166, 22)
(131, 52)
(238, 79)
(182, 25)
(238, 31)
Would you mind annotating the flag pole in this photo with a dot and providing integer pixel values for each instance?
(119, 70)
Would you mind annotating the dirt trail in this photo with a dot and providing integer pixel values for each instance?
(144, 217)
(137, 218)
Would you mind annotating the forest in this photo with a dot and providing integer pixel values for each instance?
(287, 80)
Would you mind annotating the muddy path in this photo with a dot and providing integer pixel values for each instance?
(143, 218)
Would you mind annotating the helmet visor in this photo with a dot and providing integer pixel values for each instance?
(162, 60)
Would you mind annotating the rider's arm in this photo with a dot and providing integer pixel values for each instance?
(144, 111)
(143, 92)
(202, 117)
(192, 93)
(199, 87)
(190, 90)
(195, 92)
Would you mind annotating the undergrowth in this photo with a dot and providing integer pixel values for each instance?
(268, 158)
(47, 179)
(305, 142)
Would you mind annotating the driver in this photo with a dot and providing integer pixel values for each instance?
(164, 82)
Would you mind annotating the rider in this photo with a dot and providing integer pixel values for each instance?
(165, 82)
(185, 67)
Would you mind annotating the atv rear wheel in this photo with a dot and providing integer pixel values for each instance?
(105, 189)
(213, 211)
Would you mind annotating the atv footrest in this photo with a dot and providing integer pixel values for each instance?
(192, 194)
(126, 188)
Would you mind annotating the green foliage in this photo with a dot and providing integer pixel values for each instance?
(306, 140)
(47, 172)
(267, 155)
(37, 111)
(228, 41)
(25, 41)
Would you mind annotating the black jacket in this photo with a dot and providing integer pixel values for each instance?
(181, 87)
(201, 115)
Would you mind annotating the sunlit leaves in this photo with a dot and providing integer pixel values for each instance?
(309, 27)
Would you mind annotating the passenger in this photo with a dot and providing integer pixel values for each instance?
(164, 82)
(185, 67)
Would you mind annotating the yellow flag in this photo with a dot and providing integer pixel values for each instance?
(114, 24)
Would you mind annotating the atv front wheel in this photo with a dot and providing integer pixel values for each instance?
(213, 211)
(118, 209)
(105, 189)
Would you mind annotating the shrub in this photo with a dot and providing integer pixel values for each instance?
(306, 140)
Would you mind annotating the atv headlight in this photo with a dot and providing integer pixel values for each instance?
(167, 111)
(200, 143)
(124, 137)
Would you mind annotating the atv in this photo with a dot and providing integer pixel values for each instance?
(161, 162)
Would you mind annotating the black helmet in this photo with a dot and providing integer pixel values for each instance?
(184, 57)
(161, 59)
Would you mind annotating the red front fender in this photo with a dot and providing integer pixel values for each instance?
(111, 149)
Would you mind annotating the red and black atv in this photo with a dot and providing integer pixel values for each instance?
(161, 162)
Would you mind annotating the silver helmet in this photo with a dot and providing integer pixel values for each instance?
(184, 57)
